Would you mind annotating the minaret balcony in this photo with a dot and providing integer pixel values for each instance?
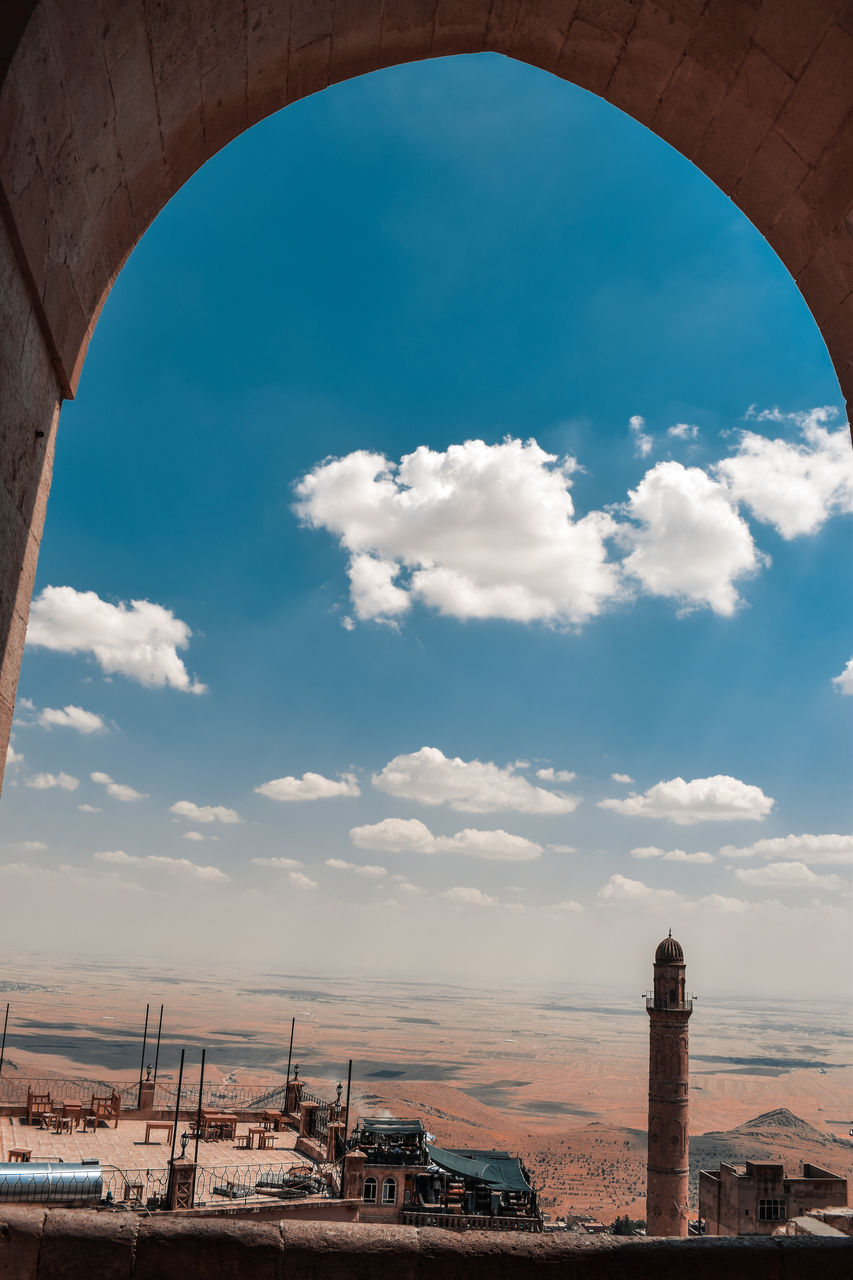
(664, 1006)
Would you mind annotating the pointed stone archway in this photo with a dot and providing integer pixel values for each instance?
(108, 106)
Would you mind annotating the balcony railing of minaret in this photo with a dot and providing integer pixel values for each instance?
(685, 1006)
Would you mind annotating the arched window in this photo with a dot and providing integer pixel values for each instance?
(389, 1191)
(369, 1195)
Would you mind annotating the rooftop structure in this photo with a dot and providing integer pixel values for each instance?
(756, 1198)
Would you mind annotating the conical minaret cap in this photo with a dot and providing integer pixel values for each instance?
(669, 951)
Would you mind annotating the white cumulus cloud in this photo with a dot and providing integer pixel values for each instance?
(311, 786)
(643, 443)
(88, 808)
(13, 756)
(139, 640)
(716, 799)
(461, 896)
(794, 487)
(671, 855)
(204, 812)
(819, 850)
(409, 835)
(118, 790)
(683, 431)
(470, 786)
(156, 862)
(688, 543)
(192, 835)
(301, 881)
(621, 777)
(71, 717)
(788, 875)
(621, 890)
(47, 781)
(844, 681)
(478, 531)
(285, 864)
(554, 775)
(369, 870)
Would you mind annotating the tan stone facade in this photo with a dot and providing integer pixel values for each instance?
(756, 1198)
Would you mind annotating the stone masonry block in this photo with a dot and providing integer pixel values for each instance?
(790, 30)
(79, 1243)
(218, 1249)
(823, 97)
(651, 56)
(691, 101)
(829, 187)
(796, 233)
(308, 69)
(460, 25)
(772, 178)
(363, 1252)
(223, 93)
(541, 31)
(614, 16)
(267, 37)
(722, 36)
(500, 24)
(407, 27)
(589, 56)
(20, 1228)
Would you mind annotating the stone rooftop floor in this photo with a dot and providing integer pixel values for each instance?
(125, 1147)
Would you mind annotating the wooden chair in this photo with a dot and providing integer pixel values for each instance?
(38, 1105)
(106, 1107)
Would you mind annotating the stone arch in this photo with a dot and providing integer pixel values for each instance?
(108, 106)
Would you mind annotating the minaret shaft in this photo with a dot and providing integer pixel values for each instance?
(669, 1010)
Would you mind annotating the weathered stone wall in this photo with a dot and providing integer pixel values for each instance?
(108, 106)
(63, 1244)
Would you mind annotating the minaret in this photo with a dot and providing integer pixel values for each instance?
(669, 1008)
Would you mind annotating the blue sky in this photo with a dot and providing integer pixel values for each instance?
(455, 251)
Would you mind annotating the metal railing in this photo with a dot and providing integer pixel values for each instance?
(686, 1005)
(248, 1097)
(468, 1221)
(13, 1089)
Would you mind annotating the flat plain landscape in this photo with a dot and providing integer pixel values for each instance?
(557, 1074)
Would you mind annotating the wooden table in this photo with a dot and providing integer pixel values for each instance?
(273, 1119)
(19, 1155)
(260, 1131)
(151, 1125)
(222, 1122)
(74, 1110)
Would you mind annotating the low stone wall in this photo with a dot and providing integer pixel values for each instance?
(39, 1244)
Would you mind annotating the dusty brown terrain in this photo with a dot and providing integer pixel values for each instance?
(555, 1074)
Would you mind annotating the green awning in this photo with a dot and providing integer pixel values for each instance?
(497, 1169)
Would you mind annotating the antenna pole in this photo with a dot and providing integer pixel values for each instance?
(142, 1059)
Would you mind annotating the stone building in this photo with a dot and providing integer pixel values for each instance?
(385, 1157)
(756, 1198)
(669, 1008)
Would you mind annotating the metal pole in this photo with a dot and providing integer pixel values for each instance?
(198, 1110)
(3, 1045)
(198, 1125)
(289, 1056)
(142, 1059)
(174, 1127)
(157, 1054)
(346, 1118)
